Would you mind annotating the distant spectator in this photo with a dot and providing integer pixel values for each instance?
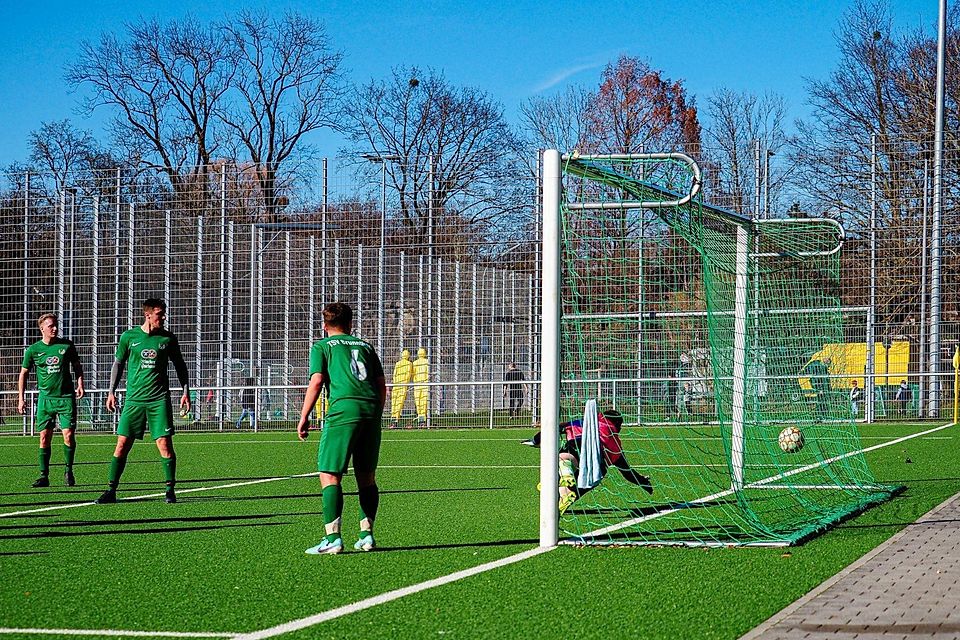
(856, 393)
(248, 403)
(902, 398)
(514, 387)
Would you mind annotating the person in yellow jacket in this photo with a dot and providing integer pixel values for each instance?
(402, 373)
(421, 394)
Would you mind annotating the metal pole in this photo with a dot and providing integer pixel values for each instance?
(228, 405)
(383, 244)
(73, 227)
(286, 325)
(167, 241)
(474, 371)
(311, 307)
(259, 305)
(550, 364)
(358, 318)
(252, 306)
(870, 382)
(430, 258)
(923, 293)
(95, 297)
(198, 309)
(26, 258)
(130, 246)
(220, 325)
(935, 240)
(403, 308)
(323, 241)
(116, 263)
(756, 178)
(336, 269)
(61, 254)
(456, 335)
(420, 303)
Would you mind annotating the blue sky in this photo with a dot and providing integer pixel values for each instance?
(511, 50)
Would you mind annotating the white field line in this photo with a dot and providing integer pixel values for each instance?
(157, 495)
(389, 596)
(120, 633)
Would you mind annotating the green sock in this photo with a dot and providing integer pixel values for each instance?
(170, 471)
(332, 507)
(68, 454)
(116, 470)
(45, 462)
(369, 501)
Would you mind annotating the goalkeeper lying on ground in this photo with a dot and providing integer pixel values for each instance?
(571, 436)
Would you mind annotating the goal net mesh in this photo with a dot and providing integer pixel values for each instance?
(710, 334)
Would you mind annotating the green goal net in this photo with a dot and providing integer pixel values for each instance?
(713, 336)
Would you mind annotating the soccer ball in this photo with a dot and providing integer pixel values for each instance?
(791, 440)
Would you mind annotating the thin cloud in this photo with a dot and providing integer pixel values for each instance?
(563, 74)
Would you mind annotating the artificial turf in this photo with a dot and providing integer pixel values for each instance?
(230, 558)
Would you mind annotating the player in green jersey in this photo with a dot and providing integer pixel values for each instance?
(53, 357)
(351, 371)
(146, 351)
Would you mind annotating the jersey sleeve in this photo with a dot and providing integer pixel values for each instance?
(28, 358)
(318, 360)
(123, 348)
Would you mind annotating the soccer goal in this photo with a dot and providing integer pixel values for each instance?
(701, 327)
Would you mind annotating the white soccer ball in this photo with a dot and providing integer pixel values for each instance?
(791, 440)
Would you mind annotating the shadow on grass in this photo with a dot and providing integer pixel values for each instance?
(74, 524)
(150, 530)
(462, 545)
(298, 496)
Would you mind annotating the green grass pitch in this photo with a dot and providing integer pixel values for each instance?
(229, 557)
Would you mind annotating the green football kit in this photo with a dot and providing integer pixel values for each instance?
(57, 403)
(147, 401)
(351, 369)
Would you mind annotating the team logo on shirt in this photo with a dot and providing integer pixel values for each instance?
(148, 359)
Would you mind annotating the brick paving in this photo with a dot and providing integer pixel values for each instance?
(908, 587)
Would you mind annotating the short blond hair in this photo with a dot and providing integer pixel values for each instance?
(43, 317)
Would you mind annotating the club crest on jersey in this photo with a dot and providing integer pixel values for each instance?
(63, 351)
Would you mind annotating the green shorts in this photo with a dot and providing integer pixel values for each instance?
(54, 411)
(351, 430)
(137, 416)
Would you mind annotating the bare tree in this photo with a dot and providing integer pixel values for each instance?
(555, 122)
(447, 148)
(61, 149)
(288, 83)
(164, 82)
(738, 121)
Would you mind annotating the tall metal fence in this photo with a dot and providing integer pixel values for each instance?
(458, 277)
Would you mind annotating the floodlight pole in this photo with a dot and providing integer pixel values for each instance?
(936, 249)
(550, 355)
(381, 293)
